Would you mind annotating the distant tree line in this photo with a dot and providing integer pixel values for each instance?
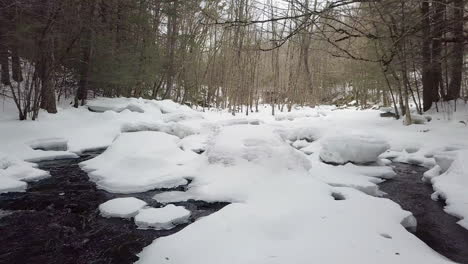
(233, 54)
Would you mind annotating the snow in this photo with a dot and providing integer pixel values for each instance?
(126, 207)
(14, 174)
(141, 161)
(114, 104)
(452, 186)
(287, 206)
(171, 128)
(162, 218)
(352, 148)
(58, 144)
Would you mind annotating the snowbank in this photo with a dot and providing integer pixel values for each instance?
(452, 186)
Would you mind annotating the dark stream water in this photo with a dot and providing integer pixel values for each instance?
(57, 221)
(436, 228)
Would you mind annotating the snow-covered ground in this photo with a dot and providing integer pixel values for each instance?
(287, 204)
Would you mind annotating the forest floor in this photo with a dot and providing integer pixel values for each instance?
(302, 186)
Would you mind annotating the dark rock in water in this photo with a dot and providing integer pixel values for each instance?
(388, 114)
(57, 221)
(436, 228)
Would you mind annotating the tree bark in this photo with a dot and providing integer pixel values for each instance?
(456, 60)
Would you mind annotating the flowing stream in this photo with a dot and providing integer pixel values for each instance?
(57, 220)
(436, 228)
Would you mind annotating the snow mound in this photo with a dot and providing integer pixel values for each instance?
(176, 129)
(300, 144)
(14, 174)
(452, 186)
(141, 161)
(101, 105)
(196, 143)
(169, 106)
(352, 148)
(240, 121)
(165, 218)
(57, 144)
(177, 117)
(126, 207)
(256, 144)
(295, 115)
(307, 133)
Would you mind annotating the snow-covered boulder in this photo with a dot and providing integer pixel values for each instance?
(352, 148)
(141, 161)
(182, 116)
(169, 106)
(294, 115)
(114, 104)
(126, 207)
(240, 121)
(162, 218)
(57, 144)
(172, 128)
(307, 133)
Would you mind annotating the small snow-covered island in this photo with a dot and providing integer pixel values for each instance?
(233, 132)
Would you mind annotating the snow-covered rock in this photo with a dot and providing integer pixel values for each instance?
(114, 104)
(58, 144)
(352, 148)
(176, 117)
(240, 121)
(141, 161)
(294, 115)
(162, 218)
(126, 207)
(172, 128)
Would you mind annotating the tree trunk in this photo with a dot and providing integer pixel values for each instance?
(456, 60)
(427, 74)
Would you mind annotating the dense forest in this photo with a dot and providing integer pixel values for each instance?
(233, 54)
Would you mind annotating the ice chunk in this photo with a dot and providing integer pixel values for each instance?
(352, 148)
(162, 218)
(126, 207)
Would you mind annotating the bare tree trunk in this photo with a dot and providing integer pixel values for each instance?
(456, 60)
